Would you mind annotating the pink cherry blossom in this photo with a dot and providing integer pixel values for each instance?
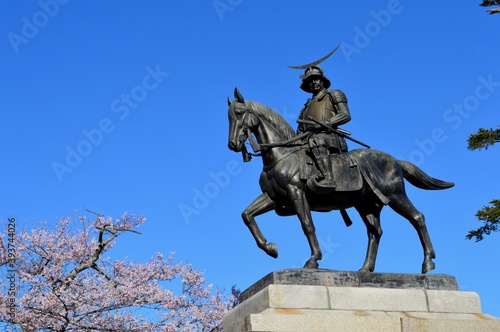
(61, 279)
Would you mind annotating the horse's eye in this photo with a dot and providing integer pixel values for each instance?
(239, 113)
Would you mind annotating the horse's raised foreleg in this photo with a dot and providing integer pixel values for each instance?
(260, 205)
(402, 205)
(303, 211)
(371, 218)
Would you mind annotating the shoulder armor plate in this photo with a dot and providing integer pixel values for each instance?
(338, 96)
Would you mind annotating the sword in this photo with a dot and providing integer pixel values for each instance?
(341, 132)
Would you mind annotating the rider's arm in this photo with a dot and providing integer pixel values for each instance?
(339, 101)
(300, 127)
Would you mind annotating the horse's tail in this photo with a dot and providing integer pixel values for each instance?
(419, 179)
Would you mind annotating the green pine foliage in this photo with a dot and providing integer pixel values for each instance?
(490, 215)
(488, 3)
(483, 139)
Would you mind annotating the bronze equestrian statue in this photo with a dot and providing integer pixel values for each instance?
(365, 179)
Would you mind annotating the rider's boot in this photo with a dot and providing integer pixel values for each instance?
(325, 176)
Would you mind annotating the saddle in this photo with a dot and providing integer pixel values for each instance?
(346, 174)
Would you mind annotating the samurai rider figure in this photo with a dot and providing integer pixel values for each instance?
(330, 109)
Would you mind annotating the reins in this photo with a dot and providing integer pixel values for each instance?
(287, 142)
(256, 147)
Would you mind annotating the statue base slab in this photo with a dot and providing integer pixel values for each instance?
(323, 300)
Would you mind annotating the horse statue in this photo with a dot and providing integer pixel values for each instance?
(378, 180)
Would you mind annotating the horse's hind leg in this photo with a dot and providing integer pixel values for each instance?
(402, 205)
(371, 218)
(260, 205)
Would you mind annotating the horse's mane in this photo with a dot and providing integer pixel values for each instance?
(272, 116)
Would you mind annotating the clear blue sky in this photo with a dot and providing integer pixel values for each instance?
(121, 106)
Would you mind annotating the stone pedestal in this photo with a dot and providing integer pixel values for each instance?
(322, 300)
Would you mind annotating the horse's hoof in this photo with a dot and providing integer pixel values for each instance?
(428, 266)
(272, 250)
(365, 269)
(311, 264)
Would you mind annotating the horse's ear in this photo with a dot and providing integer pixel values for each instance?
(238, 96)
(229, 101)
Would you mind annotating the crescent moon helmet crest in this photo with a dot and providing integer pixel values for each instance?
(317, 62)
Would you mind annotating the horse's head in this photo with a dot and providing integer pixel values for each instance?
(241, 122)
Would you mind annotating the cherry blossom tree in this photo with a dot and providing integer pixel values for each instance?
(60, 279)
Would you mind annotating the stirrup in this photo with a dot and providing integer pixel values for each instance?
(321, 186)
(326, 183)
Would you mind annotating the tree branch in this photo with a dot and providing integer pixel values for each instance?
(491, 217)
(484, 138)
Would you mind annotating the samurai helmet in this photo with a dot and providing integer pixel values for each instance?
(312, 72)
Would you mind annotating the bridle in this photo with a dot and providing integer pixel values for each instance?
(256, 147)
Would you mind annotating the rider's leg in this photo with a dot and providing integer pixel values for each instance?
(324, 164)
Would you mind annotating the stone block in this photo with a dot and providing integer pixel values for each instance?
(450, 323)
(321, 321)
(320, 277)
(454, 302)
(377, 299)
(298, 297)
